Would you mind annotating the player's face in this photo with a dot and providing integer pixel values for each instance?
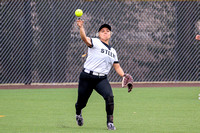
(104, 34)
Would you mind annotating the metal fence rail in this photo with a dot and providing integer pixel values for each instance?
(155, 40)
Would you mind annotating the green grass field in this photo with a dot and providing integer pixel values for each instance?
(145, 110)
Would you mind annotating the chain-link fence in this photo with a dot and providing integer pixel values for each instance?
(154, 40)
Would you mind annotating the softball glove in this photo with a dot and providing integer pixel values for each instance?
(127, 81)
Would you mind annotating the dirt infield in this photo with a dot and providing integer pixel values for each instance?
(114, 85)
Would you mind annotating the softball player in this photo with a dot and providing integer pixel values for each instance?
(101, 57)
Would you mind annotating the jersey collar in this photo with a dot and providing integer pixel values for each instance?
(108, 46)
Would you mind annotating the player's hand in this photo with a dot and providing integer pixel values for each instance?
(197, 37)
(80, 23)
(127, 81)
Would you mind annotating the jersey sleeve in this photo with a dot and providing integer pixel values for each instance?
(93, 42)
(116, 58)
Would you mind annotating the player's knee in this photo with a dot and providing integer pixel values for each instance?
(79, 106)
(109, 100)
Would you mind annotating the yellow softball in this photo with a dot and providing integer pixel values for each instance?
(78, 12)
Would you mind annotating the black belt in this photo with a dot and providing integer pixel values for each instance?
(93, 73)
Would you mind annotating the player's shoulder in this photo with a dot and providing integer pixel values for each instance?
(95, 39)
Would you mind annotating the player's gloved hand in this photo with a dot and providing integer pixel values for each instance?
(127, 81)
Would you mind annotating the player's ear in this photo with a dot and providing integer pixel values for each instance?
(97, 34)
(111, 33)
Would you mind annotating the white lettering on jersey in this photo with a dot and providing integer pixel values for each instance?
(107, 52)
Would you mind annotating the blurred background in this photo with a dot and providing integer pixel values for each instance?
(154, 40)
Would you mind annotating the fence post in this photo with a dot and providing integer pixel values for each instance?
(54, 43)
(28, 42)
